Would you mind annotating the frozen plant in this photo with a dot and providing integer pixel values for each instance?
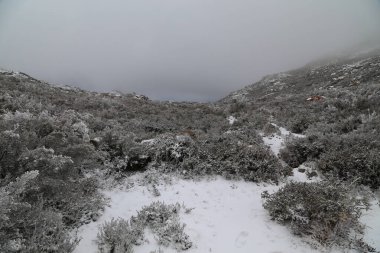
(118, 236)
(326, 212)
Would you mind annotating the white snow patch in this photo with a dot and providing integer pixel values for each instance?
(371, 219)
(231, 119)
(227, 217)
(301, 176)
(286, 133)
(183, 138)
(276, 141)
(148, 142)
(67, 87)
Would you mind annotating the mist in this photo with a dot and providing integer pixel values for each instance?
(197, 50)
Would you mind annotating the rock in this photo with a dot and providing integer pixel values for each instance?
(302, 170)
(96, 141)
(138, 163)
(312, 174)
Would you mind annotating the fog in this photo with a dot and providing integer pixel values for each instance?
(197, 50)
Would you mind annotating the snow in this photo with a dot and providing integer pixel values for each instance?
(148, 142)
(227, 217)
(299, 176)
(276, 141)
(231, 119)
(371, 219)
(67, 87)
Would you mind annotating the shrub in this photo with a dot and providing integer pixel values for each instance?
(49, 233)
(30, 228)
(163, 220)
(241, 154)
(295, 152)
(299, 123)
(348, 163)
(10, 149)
(118, 236)
(299, 150)
(254, 163)
(327, 212)
(270, 129)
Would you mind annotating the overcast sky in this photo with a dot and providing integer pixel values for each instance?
(196, 50)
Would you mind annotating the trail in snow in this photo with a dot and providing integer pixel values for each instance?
(276, 141)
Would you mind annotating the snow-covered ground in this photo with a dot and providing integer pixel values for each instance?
(231, 119)
(227, 217)
(276, 141)
(371, 219)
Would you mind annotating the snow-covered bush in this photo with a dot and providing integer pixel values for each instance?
(10, 149)
(254, 163)
(171, 148)
(241, 154)
(61, 187)
(327, 212)
(26, 227)
(118, 236)
(299, 123)
(49, 233)
(299, 150)
(353, 156)
(350, 163)
(270, 129)
(162, 219)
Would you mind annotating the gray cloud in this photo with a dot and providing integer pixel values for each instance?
(177, 49)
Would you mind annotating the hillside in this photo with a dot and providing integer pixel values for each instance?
(313, 131)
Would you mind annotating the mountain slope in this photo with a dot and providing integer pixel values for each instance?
(61, 146)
